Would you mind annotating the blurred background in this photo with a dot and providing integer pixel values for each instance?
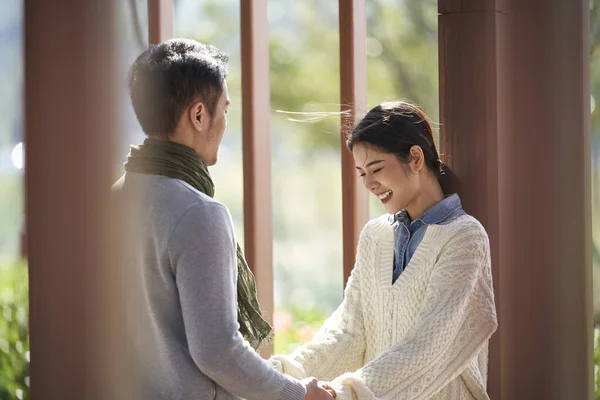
(306, 186)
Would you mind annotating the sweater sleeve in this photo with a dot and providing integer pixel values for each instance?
(458, 318)
(203, 258)
(339, 345)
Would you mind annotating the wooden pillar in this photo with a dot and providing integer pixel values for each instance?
(71, 131)
(514, 93)
(544, 200)
(160, 20)
(256, 115)
(353, 97)
(468, 116)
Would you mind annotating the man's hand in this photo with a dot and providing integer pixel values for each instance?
(314, 391)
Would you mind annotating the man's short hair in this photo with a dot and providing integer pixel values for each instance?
(167, 78)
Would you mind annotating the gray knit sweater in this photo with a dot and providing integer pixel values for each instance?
(182, 313)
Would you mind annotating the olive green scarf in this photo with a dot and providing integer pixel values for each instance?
(162, 157)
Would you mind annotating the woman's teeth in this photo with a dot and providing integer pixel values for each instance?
(385, 195)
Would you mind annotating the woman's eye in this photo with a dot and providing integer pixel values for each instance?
(361, 175)
(377, 170)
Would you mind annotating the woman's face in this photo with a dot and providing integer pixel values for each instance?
(386, 177)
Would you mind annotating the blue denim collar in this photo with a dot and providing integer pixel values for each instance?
(435, 215)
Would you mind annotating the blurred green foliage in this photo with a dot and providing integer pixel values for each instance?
(295, 325)
(14, 332)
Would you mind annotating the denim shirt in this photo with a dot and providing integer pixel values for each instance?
(408, 234)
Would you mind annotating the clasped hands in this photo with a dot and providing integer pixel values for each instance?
(318, 390)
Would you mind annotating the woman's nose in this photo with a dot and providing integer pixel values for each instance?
(371, 184)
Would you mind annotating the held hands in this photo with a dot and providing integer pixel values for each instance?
(316, 391)
(329, 389)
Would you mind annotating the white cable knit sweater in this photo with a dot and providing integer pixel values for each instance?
(424, 337)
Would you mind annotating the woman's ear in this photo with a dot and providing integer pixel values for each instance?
(417, 159)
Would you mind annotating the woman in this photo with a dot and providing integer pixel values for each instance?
(418, 309)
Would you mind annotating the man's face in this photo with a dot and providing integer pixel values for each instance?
(214, 128)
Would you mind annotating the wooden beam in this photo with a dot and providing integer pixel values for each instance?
(353, 96)
(71, 133)
(258, 229)
(465, 6)
(160, 21)
(544, 201)
(504, 116)
(468, 131)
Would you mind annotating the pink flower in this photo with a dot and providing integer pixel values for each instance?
(282, 321)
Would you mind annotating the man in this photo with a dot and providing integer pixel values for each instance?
(193, 315)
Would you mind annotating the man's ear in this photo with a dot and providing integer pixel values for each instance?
(197, 115)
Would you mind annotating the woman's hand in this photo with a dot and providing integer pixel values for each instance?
(329, 389)
(339, 391)
(314, 391)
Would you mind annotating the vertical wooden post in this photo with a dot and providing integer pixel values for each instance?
(353, 94)
(160, 20)
(258, 229)
(514, 85)
(544, 200)
(71, 132)
(468, 114)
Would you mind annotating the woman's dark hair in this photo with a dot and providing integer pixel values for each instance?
(166, 78)
(395, 127)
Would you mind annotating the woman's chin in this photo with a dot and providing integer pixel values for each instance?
(390, 208)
